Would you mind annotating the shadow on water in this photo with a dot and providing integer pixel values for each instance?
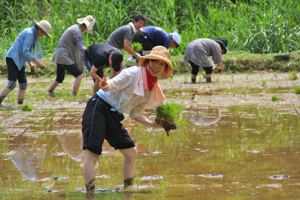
(233, 143)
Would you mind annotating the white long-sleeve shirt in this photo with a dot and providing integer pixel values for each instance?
(127, 95)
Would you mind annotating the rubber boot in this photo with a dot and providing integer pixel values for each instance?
(193, 80)
(1, 99)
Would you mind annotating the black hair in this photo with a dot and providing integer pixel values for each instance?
(139, 17)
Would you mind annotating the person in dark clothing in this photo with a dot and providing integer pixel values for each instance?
(151, 36)
(99, 56)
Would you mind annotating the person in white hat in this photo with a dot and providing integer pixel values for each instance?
(20, 52)
(69, 53)
(131, 91)
(151, 36)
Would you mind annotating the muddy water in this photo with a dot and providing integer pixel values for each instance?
(233, 142)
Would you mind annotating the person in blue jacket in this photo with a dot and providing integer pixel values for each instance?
(151, 36)
(20, 52)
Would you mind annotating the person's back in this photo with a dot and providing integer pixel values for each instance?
(210, 46)
(157, 35)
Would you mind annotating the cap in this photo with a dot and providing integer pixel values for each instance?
(176, 37)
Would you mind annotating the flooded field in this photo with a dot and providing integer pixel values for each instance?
(233, 142)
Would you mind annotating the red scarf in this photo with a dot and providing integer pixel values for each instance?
(148, 79)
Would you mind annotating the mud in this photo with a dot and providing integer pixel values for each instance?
(233, 142)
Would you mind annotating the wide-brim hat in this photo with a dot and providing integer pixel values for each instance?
(116, 60)
(89, 22)
(45, 26)
(159, 53)
(222, 41)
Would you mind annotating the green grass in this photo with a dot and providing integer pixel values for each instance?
(297, 90)
(275, 98)
(169, 111)
(261, 26)
(293, 75)
(26, 107)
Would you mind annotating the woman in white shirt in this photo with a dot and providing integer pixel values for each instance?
(131, 91)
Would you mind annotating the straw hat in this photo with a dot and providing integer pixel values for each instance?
(159, 53)
(45, 26)
(89, 22)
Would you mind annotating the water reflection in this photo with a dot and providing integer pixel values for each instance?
(203, 117)
(28, 155)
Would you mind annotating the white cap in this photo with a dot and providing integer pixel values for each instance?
(176, 37)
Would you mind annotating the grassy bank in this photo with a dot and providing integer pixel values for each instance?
(234, 62)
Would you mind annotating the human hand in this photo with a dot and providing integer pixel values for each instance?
(103, 84)
(40, 65)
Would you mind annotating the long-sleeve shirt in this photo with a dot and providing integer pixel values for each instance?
(22, 48)
(127, 95)
(158, 36)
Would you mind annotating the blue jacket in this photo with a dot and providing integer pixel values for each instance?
(157, 36)
(21, 50)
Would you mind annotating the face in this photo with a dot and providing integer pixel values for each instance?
(156, 68)
(40, 33)
(138, 24)
(173, 44)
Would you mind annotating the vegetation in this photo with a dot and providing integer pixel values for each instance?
(275, 98)
(168, 111)
(264, 83)
(136, 46)
(297, 90)
(293, 75)
(260, 26)
(26, 107)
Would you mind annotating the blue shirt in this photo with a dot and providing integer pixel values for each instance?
(157, 36)
(21, 50)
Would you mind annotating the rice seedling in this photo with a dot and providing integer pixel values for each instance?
(185, 79)
(136, 46)
(166, 114)
(204, 74)
(264, 83)
(26, 107)
(297, 90)
(232, 79)
(275, 98)
(293, 75)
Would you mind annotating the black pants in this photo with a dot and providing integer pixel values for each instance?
(142, 38)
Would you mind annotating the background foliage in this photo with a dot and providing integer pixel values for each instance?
(258, 26)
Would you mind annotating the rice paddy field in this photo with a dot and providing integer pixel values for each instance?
(233, 141)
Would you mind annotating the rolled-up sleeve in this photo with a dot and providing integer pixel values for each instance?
(27, 47)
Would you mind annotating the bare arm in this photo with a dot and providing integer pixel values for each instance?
(220, 65)
(143, 120)
(130, 50)
(39, 63)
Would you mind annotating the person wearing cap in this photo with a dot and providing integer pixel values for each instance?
(98, 56)
(69, 52)
(121, 37)
(198, 51)
(20, 52)
(131, 91)
(151, 36)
